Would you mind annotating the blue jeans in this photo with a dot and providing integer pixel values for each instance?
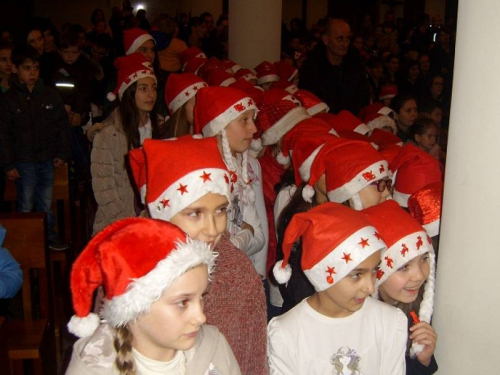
(34, 190)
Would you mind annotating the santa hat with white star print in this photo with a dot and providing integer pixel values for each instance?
(171, 187)
(405, 239)
(425, 207)
(134, 38)
(413, 169)
(246, 74)
(180, 88)
(135, 260)
(131, 68)
(335, 239)
(215, 108)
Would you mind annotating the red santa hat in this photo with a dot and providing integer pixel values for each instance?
(390, 152)
(135, 260)
(384, 139)
(130, 68)
(311, 102)
(285, 85)
(276, 118)
(413, 169)
(197, 171)
(220, 77)
(194, 65)
(345, 120)
(309, 126)
(335, 240)
(425, 207)
(266, 72)
(246, 74)
(190, 53)
(137, 161)
(206, 69)
(134, 38)
(378, 116)
(405, 239)
(276, 94)
(180, 88)
(230, 66)
(388, 92)
(285, 71)
(251, 90)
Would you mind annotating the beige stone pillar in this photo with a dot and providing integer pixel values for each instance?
(254, 31)
(467, 305)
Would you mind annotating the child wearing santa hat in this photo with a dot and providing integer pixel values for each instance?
(228, 114)
(133, 120)
(340, 328)
(192, 190)
(180, 96)
(406, 279)
(154, 279)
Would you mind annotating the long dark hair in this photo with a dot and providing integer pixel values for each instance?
(130, 118)
(177, 125)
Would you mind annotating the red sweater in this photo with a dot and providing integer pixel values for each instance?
(236, 304)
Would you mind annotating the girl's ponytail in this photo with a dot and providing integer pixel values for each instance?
(123, 345)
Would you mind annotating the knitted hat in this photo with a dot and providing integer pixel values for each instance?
(405, 239)
(247, 74)
(266, 72)
(425, 207)
(285, 71)
(413, 169)
(135, 260)
(137, 161)
(351, 167)
(311, 102)
(220, 77)
(134, 38)
(305, 128)
(180, 88)
(130, 68)
(197, 171)
(190, 53)
(388, 92)
(335, 240)
(216, 107)
(194, 65)
(285, 85)
(377, 116)
(276, 118)
(345, 120)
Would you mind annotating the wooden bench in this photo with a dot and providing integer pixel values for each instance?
(30, 339)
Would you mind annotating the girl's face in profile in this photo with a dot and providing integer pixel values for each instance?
(174, 319)
(205, 219)
(404, 284)
(240, 132)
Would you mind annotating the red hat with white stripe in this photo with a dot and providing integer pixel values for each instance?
(198, 170)
(413, 169)
(247, 74)
(134, 38)
(406, 240)
(285, 71)
(425, 207)
(190, 53)
(384, 139)
(131, 68)
(378, 116)
(266, 72)
(345, 120)
(285, 85)
(311, 102)
(180, 88)
(194, 65)
(220, 77)
(230, 66)
(388, 92)
(335, 240)
(251, 90)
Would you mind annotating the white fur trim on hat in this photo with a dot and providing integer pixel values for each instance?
(256, 145)
(432, 228)
(233, 112)
(346, 191)
(83, 327)
(362, 129)
(268, 78)
(282, 274)
(138, 42)
(305, 167)
(135, 77)
(189, 189)
(235, 68)
(272, 135)
(282, 159)
(144, 291)
(142, 193)
(228, 81)
(401, 198)
(343, 259)
(185, 95)
(381, 122)
(111, 96)
(292, 89)
(308, 193)
(315, 109)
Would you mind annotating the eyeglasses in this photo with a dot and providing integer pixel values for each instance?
(382, 185)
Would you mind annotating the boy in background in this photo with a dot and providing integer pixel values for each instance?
(34, 136)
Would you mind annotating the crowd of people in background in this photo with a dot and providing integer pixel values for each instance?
(317, 183)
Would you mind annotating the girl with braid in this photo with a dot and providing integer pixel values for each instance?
(155, 279)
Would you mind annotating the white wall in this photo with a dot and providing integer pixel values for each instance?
(467, 303)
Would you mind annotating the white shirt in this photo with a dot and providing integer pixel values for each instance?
(303, 341)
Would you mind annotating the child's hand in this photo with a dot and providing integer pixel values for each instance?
(423, 333)
(12, 175)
